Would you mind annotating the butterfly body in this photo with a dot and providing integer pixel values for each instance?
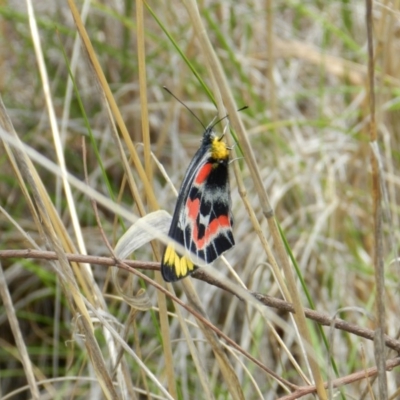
(202, 220)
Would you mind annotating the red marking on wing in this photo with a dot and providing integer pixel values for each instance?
(211, 230)
(203, 173)
(193, 207)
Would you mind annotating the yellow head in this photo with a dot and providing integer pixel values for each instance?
(219, 151)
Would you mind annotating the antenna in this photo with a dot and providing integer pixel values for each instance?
(227, 115)
(194, 115)
(184, 105)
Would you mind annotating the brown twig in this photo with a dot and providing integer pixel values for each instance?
(317, 316)
(269, 301)
(357, 376)
(51, 255)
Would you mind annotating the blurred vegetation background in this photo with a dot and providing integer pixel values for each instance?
(301, 67)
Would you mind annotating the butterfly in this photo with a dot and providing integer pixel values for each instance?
(202, 220)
